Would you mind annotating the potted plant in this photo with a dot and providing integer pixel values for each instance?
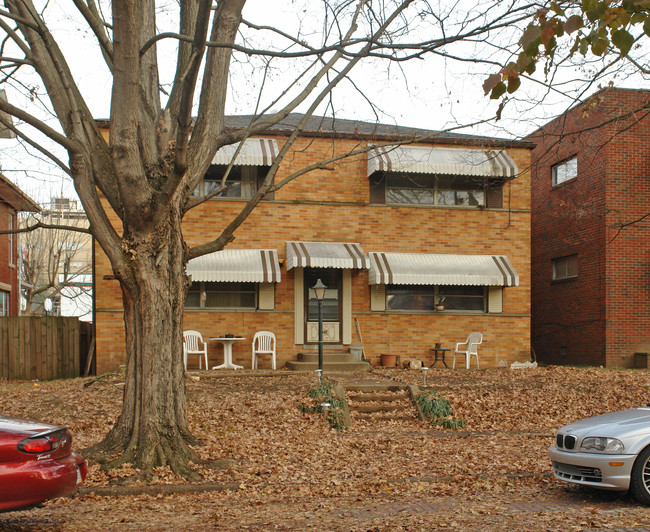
(440, 303)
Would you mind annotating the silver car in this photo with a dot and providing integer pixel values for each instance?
(608, 452)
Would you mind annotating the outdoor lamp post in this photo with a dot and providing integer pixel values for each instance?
(319, 290)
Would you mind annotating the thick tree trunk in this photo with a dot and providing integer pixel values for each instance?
(152, 429)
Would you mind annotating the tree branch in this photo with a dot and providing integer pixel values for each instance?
(622, 226)
(41, 225)
(97, 24)
(36, 145)
(57, 137)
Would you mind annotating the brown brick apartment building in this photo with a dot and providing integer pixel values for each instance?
(591, 232)
(389, 232)
(12, 200)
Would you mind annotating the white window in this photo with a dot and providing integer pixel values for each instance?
(4, 303)
(565, 267)
(426, 297)
(565, 171)
(10, 238)
(427, 189)
(222, 295)
(242, 181)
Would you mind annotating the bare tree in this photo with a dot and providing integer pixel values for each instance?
(156, 153)
(56, 259)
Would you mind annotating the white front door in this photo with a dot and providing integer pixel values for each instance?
(330, 306)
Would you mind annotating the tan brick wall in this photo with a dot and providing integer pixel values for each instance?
(332, 205)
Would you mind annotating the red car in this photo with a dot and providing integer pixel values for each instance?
(36, 463)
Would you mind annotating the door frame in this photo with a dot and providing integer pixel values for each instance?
(339, 298)
(345, 307)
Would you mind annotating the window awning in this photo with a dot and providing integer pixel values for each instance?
(254, 152)
(326, 255)
(236, 265)
(420, 268)
(448, 161)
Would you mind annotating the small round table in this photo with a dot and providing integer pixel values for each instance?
(442, 350)
(227, 352)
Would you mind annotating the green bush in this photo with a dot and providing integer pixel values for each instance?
(437, 409)
(324, 393)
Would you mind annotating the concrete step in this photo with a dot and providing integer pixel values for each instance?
(328, 367)
(369, 409)
(328, 357)
(378, 418)
(371, 388)
(379, 403)
(366, 397)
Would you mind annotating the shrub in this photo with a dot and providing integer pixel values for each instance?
(437, 409)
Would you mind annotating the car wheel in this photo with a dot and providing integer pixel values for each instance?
(640, 479)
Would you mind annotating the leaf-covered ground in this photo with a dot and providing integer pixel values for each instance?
(266, 465)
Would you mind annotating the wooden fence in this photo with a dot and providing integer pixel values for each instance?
(41, 348)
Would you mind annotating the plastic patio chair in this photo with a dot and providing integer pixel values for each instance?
(193, 344)
(263, 344)
(471, 349)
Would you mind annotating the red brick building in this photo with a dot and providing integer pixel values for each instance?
(390, 232)
(12, 200)
(591, 232)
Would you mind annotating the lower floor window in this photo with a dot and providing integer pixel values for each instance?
(4, 303)
(426, 297)
(222, 295)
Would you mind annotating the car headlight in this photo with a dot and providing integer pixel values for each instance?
(602, 445)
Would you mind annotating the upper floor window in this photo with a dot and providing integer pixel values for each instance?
(565, 171)
(242, 181)
(10, 237)
(565, 267)
(430, 189)
(222, 295)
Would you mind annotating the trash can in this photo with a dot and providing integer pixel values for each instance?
(357, 350)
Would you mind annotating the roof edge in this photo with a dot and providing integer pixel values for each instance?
(15, 197)
(411, 135)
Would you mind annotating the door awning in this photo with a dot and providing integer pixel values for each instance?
(326, 255)
(236, 265)
(421, 268)
(254, 152)
(447, 161)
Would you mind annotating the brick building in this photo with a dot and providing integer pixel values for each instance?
(591, 271)
(390, 232)
(12, 201)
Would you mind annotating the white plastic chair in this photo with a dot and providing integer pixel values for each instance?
(263, 344)
(192, 341)
(472, 343)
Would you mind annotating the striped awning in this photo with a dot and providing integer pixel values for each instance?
(326, 255)
(254, 152)
(236, 265)
(441, 161)
(421, 268)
